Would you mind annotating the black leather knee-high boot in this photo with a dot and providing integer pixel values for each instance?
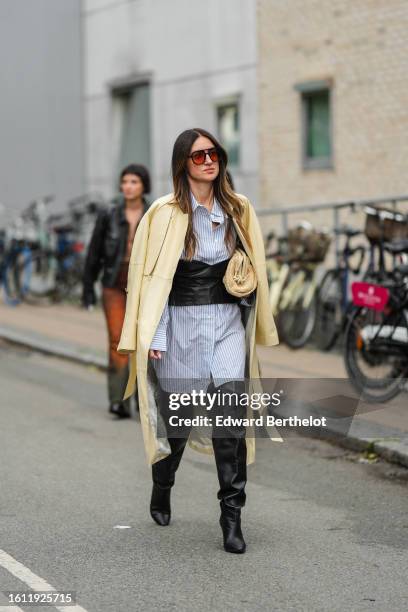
(163, 475)
(164, 471)
(231, 457)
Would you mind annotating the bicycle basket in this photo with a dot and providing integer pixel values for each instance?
(385, 224)
(308, 244)
(317, 245)
(296, 242)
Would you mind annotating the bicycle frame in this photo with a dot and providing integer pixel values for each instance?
(279, 274)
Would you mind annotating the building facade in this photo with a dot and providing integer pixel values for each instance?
(333, 100)
(154, 69)
(41, 110)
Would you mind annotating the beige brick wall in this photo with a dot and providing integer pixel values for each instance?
(363, 46)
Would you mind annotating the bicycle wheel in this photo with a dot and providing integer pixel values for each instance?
(329, 313)
(376, 366)
(11, 277)
(11, 294)
(69, 279)
(297, 319)
(36, 277)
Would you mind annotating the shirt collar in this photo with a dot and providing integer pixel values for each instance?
(216, 214)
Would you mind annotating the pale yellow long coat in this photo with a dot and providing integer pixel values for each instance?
(156, 250)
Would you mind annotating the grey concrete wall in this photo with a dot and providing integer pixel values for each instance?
(196, 53)
(40, 102)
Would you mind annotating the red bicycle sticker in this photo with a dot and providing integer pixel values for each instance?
(370, 296)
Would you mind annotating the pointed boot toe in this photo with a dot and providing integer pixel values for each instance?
(231, 529)
(160, 505)
(161, 518)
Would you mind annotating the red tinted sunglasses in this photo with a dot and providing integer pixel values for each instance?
(199, 157)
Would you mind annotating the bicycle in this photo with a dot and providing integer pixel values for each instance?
(31, 262)
(293, 275)
(332, 299)
(277, 269)
(45, 258)
(376, 337)
(24, 235)
(376, 334)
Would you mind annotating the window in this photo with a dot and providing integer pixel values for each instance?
(228, 131)
(131, 129)
(316, 125)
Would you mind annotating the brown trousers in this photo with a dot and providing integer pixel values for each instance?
(114, 306)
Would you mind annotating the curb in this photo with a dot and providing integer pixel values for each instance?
(389, 444)
(70, 352)
(360, 435)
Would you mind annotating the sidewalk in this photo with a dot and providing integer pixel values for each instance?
(73, 333)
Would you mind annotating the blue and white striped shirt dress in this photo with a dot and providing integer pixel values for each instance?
(207, 339)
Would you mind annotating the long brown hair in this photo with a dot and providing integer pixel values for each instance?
(229, 201)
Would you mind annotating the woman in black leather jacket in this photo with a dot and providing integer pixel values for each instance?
(109, 251)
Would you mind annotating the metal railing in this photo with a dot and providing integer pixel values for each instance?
(335, 207)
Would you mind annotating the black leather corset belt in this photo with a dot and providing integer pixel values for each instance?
(196, 282)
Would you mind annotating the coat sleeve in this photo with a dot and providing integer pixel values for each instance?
(266, 332)
(159, 342)
(127, 342)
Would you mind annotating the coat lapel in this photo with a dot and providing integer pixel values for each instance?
(168, 219)
(244, 242)
(177, 226)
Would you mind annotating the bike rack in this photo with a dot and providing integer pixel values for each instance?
(335, 207)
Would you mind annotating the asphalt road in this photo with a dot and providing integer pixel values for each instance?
(324, 531)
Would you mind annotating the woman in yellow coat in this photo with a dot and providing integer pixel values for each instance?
(166, 252)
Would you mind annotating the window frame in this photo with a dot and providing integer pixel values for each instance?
(307, 90)
(224, 102)
(118, 89)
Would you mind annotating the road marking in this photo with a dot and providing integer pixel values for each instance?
(36, 583)
(122, 527)
(10, 609)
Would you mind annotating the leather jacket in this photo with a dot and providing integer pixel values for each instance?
(106, 249)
